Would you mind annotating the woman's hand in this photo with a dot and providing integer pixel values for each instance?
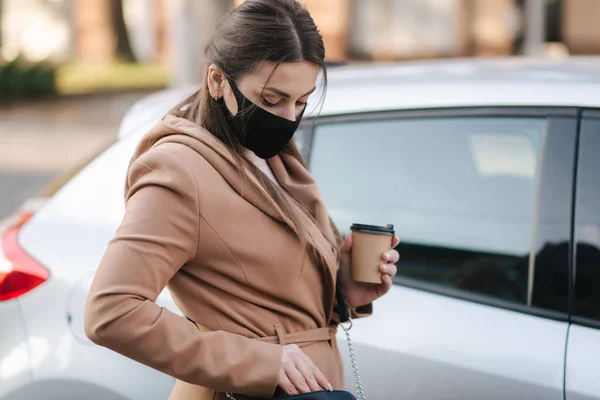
(298, 374)
(358, 293)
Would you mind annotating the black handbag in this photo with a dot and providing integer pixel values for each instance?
(344, 315)
(321, 395)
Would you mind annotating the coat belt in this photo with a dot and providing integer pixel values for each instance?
(307, 336)
(282, 338)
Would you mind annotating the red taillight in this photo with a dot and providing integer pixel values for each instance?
(19, 273)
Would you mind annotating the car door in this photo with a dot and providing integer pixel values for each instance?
(583, 352)
(481, 200)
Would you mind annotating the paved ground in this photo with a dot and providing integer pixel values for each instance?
(40, 140)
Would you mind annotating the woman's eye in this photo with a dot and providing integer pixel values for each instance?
(269, 104)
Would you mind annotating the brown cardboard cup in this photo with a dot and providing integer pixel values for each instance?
(369, 242)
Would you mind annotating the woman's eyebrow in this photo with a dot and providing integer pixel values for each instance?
(284, 94)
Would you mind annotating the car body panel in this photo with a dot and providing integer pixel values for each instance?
(15, 356)
(60, 356)
(62, 389)
(69, 235)
(428, 346)
(583, 361)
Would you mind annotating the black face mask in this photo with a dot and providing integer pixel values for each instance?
(258, 130)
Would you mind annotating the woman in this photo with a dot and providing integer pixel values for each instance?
(221, 210)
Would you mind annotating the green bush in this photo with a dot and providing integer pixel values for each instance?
(21, 80)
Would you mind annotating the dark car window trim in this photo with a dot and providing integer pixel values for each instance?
(586, 115)
(587, 322)
(480, 299)
(502, 111)
(488, 111)
(555, 202)
(593, 113)
(573, 246)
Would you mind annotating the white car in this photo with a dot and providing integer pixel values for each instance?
(487, 168)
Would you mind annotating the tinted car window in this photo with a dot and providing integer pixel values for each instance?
(587, 217)
(460, 191)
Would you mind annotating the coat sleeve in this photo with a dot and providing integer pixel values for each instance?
(157, 236)
(355, 312)
(362, 311)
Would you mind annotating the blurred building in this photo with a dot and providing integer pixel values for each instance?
(409, 29)
(80, 29)
(83, 30)
(38, 29)
(146, 27)
(581, 26)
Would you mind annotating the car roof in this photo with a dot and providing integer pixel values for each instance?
(513, 81)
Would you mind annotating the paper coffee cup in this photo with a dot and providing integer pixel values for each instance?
(369, 242)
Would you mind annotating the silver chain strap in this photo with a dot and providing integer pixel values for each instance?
(359, 387)
(358, 382)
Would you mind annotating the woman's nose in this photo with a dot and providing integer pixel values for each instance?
(290, 113)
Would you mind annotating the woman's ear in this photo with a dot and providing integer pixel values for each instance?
(215, 81)
(219, 88)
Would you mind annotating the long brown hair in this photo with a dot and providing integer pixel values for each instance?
(258, 31)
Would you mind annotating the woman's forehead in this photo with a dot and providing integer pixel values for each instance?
(295, 78)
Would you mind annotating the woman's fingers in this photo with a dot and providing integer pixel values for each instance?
(298, 374)
(296, 377)
(285, 384)
(308, 373)
(387, 284)
(388, 269)
(391, 256)
(347, 244)
(322, 381)
(318, 375)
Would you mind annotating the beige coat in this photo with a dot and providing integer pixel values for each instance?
(194, 225)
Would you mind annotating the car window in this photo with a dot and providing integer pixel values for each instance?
(460, 191)
(587, 217)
